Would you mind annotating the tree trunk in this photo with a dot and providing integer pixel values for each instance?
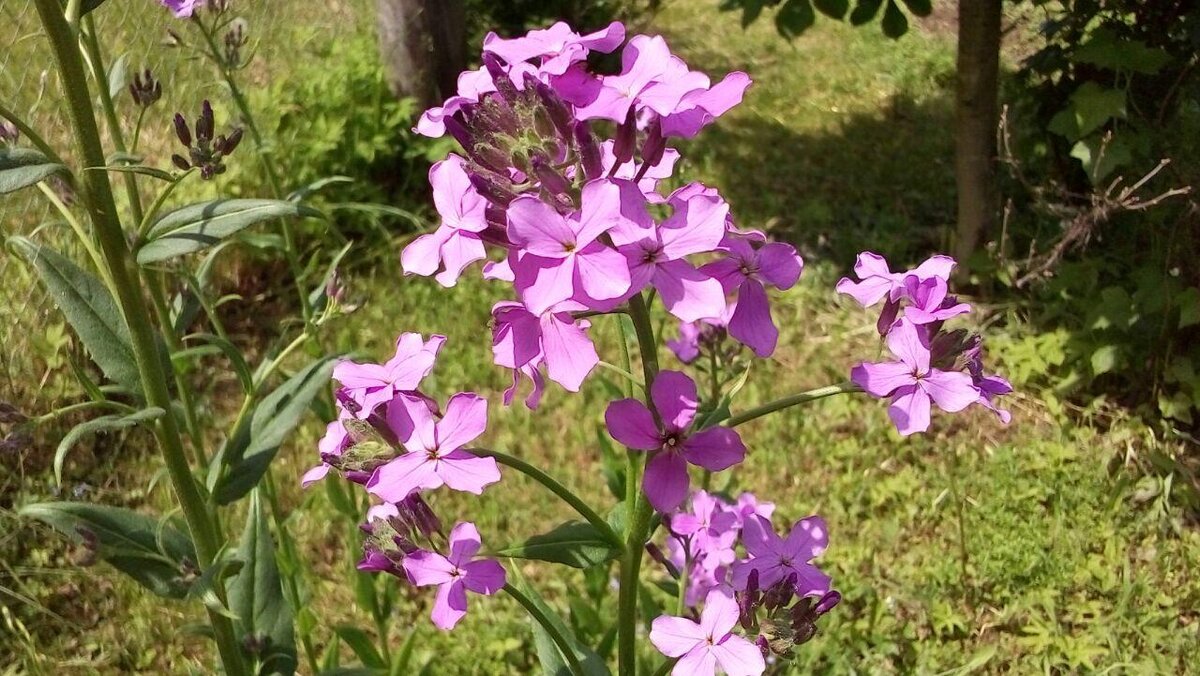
(423, 47)
(976, 117)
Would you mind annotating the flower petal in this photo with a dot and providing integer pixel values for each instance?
(739, 657)
(632, 424)
(465, 420)
(688, 293)
(675, 636)
(569, 354)
(751, 323)
(675, 398)
(450, 606)
(603, 272)
(485, 576)
(462, 471)
(464, 542)
(715, 449)
(910, 410)
(426, 568)
(720, 614)
(904, 340)
(401, 476)
(537, 228)
(882, 379)
(952, 391)
(666, 481)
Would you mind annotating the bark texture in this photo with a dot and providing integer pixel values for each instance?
(976, 117)
(423, 47)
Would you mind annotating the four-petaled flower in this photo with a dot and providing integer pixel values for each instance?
(370, 385)
(673, 445)
(702, 646)
(456, 243)
(749, 270)
(912, 383)
(182, 9)
(455, 574)
(776, 559)
(435, 456)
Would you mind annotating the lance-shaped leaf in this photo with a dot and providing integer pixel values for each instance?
(574, 543)
(152, 551)
(23, 167)
(249, 453)
(199, 226)
(90, 309)
(107, 423)
(256, 597)
(551, 658)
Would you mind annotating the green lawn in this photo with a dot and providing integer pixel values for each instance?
(1073, 561)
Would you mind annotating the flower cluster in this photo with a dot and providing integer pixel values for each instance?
(204, 151)
(931, 365)
(568, 212)
(779, 593)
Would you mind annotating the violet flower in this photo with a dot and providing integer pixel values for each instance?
(456, 243)
(455, 574)
(674, 445)
(775, 558)
(704, 645)
(435, 451)
(749, 270)
(877, 281)
(370, 385)
(912, 383)
(523, 341)
(182, 9)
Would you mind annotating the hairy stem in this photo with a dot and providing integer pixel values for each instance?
(540, 617)
(125, 279)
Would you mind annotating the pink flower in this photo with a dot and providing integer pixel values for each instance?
(558, 45)
(559, 256)
(651, 78)
(455, 574)
(435, 456)
(456, 243)
(878, 281)
(524, 341)
(182, 9)
(749, 270)
(674, 445)
(701, 107)
(702, 646)
(370, 385)
(912, 383)
(776, 559)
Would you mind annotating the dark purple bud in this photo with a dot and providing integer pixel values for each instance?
(182, 130)
(626, 139)
(764, 646)
(491, 190)
(550, 178)
(16, 442)
(500, 77)
(657, 554)
(226, 145)
(207, 172)
(589, 152)
(205, 124)
(654, 147)
(560, 115)
(459, 131)
(780, 594)
(887, 316)
(748, 602)
(426, 522)
(827, 602)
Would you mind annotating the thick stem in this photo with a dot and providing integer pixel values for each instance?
(103, 210)
(788, 402)
(639, 508)
(555, 487)
(538, 616)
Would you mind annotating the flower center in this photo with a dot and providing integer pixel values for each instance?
(568, 247)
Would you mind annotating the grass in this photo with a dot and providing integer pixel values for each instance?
(1075, 561)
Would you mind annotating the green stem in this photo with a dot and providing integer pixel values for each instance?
(540, 617)
(666, 667)
(788, 402)
(555, 487)
(963, 554)
(640, 512)
(291, 578)
(82, 406)
(103, 210)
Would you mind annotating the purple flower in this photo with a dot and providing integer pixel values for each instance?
(523, 341)
(748, 507)
(182, 9)
(558, 45)
(435, 456)
(370, 385)
(912, 383)
(928, 300)
(657, 257)
(456, 243)
(702, 646)
(673, 446)
(561, 256)
(650, 176)
(878, 281)
(749, 270)
(775, 558)
(455, 574)
(651, 78)
(701, 107)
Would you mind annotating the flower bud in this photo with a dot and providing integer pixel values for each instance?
(205, 124)
(655, 146)
(549, 177)
(9, 134)
(144, 89)
(589, 152)
(182, 131)
(626, 139)
(887, 316)
(226, 145)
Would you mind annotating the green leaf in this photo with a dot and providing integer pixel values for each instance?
(89, 307)
(919, 7)
(1094, 105)
(362, 645)
(256, 597)
(89, 5)
(199, 226)
(1107, 50)
(895, 23)
(118, 75)
(236, 359)
(1105, 359)
(139, 169)
(150, 551)
(1189, 307)
(835, 9)
(794, 17)
(865, 11)
(551, 658)
(106, 423)
(1100, 159)
(23, 167)
(574, 543)
(250, 452)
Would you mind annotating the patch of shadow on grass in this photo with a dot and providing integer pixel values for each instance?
(882, 181)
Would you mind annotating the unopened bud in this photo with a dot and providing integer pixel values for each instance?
(144, 89)
(181, 162)
(549, 177)
(227, 144)
(205, 124)
(182, 131)
(626, 139)
(9, 133)
(589, 152)
(655, 146)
